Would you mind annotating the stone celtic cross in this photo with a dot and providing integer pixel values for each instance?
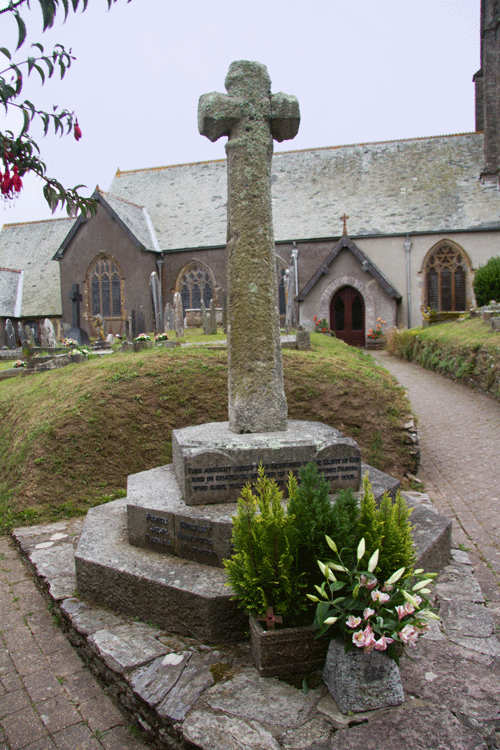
(251, 117)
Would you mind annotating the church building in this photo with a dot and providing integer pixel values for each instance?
(367, 231)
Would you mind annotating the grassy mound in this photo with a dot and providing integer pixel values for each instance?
(69, 438)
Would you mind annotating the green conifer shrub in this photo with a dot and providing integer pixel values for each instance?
(486, 283)
(262, 571)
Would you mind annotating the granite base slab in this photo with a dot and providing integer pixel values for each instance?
(212, 464)
(160, 520)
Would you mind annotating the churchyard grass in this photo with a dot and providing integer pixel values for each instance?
(70, 437)
(467, 350)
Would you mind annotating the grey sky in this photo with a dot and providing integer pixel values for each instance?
(362, 71)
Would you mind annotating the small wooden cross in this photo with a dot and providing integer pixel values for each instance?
(344, 219)
(270, 618)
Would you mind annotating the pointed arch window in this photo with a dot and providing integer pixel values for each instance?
(446, 278)
(105, 288)
(195, 283)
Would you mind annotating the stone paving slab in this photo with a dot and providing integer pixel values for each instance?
(186, 694)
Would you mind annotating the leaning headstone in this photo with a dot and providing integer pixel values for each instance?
(359, 681)
(48, 334)
(178, 316)
(251, 117)
(154, 285)
(213, 317)
(10, 335)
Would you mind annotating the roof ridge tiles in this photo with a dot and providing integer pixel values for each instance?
(11, 270)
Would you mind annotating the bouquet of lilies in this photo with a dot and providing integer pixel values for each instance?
(142, 337)
(161, 337)
(368, 613)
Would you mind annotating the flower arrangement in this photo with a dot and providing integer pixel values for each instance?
(142, 337)
(161, 337)
(84, 350)
(70, 342)
(321, 324)
(370, 613)
(376, 333)
(19, 363)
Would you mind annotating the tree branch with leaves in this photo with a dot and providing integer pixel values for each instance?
(19, 152)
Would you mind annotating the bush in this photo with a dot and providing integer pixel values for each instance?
(486, 282)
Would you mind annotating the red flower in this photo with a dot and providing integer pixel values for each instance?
(6, 182)
(77, 131)
(17, 183)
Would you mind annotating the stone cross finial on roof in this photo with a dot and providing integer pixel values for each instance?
(344, 219)
(251, 117)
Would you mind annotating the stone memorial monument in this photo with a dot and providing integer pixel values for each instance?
(48, 334)
(183, 511)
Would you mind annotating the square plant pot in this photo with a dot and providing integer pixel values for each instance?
(287, 650)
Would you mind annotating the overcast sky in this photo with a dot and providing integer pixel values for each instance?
(362, 71)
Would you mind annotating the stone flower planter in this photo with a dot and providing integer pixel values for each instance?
(140, 346)
(376, 343)
(286, 651)
(359, 681)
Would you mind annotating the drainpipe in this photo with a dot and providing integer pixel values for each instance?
(295, 255)
(408, 245)
(159, 262)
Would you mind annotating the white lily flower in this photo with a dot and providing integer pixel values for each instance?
(361, 549)
(373, 561)
(331, 543)
(409, 598)
(330, 620)
(312, 598)
(395, 577)
(421, 584)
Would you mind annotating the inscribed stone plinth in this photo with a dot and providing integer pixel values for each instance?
(251, 117)
(359, 681)
(212, 463)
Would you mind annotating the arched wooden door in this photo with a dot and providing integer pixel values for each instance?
(347, 316)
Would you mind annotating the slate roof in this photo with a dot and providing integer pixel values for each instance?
(11, 287)
(394, 187)
(30, 247)
(133, 219)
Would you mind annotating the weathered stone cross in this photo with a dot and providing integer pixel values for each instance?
(76, 298)
(251, 117)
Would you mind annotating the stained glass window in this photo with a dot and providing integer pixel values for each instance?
(445, 279)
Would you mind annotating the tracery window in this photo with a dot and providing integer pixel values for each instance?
(445, 278)
(195, 284)
(104, 287)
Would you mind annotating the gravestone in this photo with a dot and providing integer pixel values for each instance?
(169, 318)
(21, 334)
(251, 117)
(224, 312)
(100, 326)
(204, 318)
(154, 285)
(30, 335)
(178, 316)
(213, 317)
(138, 323)
(48, 334)
(10, 335)
(76, 332)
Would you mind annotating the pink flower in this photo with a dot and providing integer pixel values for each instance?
(408, 635)
(358, 639)
(370, 583)
(368, 612)
(409, 608)
(369, 643)
(401, 611)
(383, 642)
(353, 622)
(378, 596)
